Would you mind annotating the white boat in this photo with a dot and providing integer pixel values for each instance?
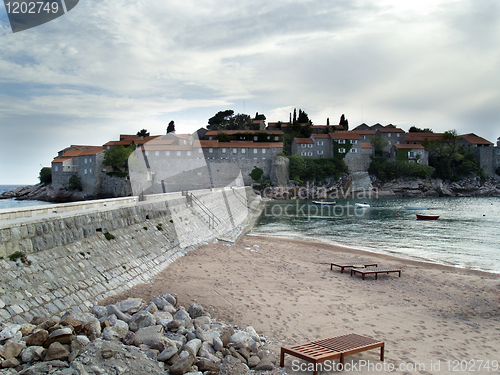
(362, 205)
(324, 203)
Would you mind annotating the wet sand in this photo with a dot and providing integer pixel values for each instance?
(432, 316)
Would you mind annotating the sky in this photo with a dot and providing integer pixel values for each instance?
(116, 67)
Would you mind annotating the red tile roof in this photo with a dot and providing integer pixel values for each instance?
(420, 137)
(391, 130)
(303, 140)
(345, 135)
(321, 136)
(231, 132)
(60, 160)
(365, 132)
(475, 140)
(409, 147)
(366, 145)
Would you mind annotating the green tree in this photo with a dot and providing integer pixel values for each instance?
(240, 122)
(414, 129)
(74, 183)
(171, 127)
(259, 116)
(221, 120)
(45, 175)
(256, 174)
(344, 122)
(303, 117)
(143, 133)
(378, 144)
(117, 157)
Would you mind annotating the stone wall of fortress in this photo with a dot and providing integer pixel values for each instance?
(73, 266)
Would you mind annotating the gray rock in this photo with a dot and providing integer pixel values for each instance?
(253, 361)
(265, 365)
(233, 366)
(204, 335)
(167, 353)
(195, 310)
(171, 298)
(149, 335)
(160, 302)
(182, 366)
(151, 308)
(79, 368)
(193, 346)
(201, 321)
(32, 354)
(99, 311)
(131, 305)
(10, 363)
(217, 344)
(115, 309)
(92, 329)
(174, 325)
(206, 365)
(114, 332)
(9, 330)
(206, 351)
(142, 319)
(184, 317)
(163, 316)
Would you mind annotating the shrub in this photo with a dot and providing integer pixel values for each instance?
(45, 175)
(109, 236)
(159, 226)
(256, 174)
(74, 183)
(19, 255)
(386, 170)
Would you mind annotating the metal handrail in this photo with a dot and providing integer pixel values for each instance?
(212, 219)
(243, 199)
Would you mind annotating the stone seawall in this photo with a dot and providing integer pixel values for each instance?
(75, 258)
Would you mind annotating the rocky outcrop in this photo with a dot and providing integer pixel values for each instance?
(47, 193)
(361, 185)
(107, 342)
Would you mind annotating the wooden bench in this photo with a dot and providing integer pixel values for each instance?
(332, 348)
(374, 270)
(352, 263)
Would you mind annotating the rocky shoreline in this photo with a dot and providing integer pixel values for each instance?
(133, 337)
(363, 186)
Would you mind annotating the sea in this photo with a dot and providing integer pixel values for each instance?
(466, 234)
(12, 203)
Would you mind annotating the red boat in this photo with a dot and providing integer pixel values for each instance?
(427, 217)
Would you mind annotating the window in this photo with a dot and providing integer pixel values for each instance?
(303, 153)
(210, 150)
(411, 154)
(189, 153)
(254, 150)
(320, 152)
(354, 141)
(390, 142)
(90, 170)
(342, 141)
(157, 153)
(223, 150)
(309, 154)
(146, 153)
(268, 137)
(255, 138)
(85, 160)
(320, 143)
(200, 151)
(263, 150)
(354, 150)
(389, 135)
(303, 145)
(243, 150)
(397, 134)
(178, 153)
(210, 138)
(167, 153)
(276, 138)
(85, 170)
(310, 145)
(342, 150)
(56, 168)
(420, 152)
(235, 150)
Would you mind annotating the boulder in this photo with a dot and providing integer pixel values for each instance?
(27, 329)
(9, 330)
(160, 302)
(193, 346)
(202, 322)
(149, 335)
(37, 338)
(70, 321)
(206, 365)
(115, 309)
(233, 366)
(56, 351)
(99, 311)
(131, 305)
(32, 354)
(11, 349)
(10, 363)
(265, 364)
(195, 310)
(184, 317)
(183, 365)
(142, 319)
(168, 353)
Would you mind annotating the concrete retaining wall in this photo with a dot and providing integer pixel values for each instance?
(72, 265)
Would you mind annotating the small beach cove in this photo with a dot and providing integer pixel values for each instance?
(285, 289)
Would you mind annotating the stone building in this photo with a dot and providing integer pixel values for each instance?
(483, 150)
(414, 153)
(391, 134)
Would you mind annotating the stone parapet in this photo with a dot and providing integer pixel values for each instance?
(68, 262)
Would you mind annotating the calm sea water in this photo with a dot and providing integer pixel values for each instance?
(466, 235)
(12, 203)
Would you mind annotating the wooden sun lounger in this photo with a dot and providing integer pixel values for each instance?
(375, 270)
(332, 348)
(352, 263)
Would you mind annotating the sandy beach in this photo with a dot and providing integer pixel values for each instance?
(433, 320)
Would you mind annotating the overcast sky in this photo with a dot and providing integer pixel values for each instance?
(111, 67)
